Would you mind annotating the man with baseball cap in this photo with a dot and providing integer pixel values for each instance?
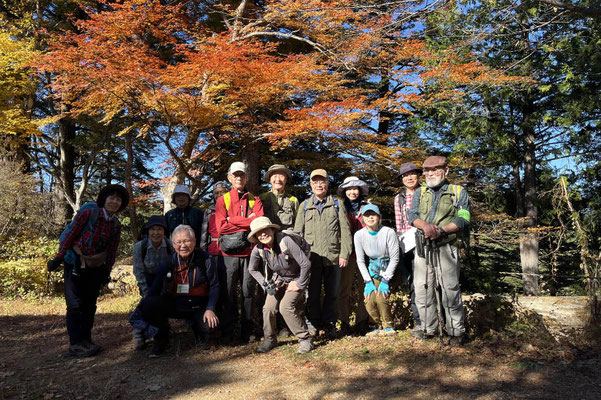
(441, 213)
(184, 213)
(409, 175)
(322, 221)
(234, 212)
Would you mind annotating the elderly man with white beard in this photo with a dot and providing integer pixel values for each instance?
(441, 213)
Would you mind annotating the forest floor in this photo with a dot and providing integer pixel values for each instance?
(34, 365)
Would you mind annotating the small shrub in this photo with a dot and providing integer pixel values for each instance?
(489, 313)
(28, 278)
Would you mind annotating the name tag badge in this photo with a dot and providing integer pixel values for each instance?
(183, 288)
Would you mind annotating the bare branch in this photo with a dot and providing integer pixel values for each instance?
(591, 12)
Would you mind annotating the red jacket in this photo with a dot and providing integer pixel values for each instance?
(237, 220)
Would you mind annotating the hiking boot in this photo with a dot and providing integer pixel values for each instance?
(345, 329)
(94, 348)
(361, 328)
(284, 333)
(330, 332)
(305, 346)
(139, 344)
(374, 333)
(158, 348)
(266, 346)
(456, 340)
(388, 332)
(83, 349)
(420, 334)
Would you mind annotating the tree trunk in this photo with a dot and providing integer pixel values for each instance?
(250, 156)
(128, 168)
(529, 239)
(182, 165)
(64, 191)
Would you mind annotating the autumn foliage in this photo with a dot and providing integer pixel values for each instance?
(272, 73)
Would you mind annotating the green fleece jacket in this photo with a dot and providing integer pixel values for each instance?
(328, 232)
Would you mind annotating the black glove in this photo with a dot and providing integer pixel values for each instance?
(54, 264)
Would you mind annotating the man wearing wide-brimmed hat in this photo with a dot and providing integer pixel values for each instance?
(88, 248)
(278, 205)
(322, 221)
(441, 213)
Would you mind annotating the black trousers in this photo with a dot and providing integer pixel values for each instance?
(156, 310)
(81, 294)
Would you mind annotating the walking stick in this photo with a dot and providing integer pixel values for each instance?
(432, 260)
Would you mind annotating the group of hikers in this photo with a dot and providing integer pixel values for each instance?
(306, 257)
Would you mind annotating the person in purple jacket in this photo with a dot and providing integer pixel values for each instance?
(185, 287)
(286, 272)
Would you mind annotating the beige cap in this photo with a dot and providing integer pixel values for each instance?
(319, 172)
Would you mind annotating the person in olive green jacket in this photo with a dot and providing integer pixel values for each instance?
(279, 205)
(441, 211)
(322, 221)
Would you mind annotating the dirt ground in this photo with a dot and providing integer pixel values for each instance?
(34, 365)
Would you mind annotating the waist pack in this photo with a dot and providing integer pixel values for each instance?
(234, 242)
(93, 261)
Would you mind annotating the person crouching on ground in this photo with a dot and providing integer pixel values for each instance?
(149, 253)
(290, 269)
(381, 246)
(186, 287)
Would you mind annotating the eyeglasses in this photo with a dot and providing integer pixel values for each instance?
(180, 242)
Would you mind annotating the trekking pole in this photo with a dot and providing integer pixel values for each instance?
(433, 262)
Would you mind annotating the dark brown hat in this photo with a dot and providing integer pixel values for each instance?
(435, 161)
(408, 167)
(113, 189)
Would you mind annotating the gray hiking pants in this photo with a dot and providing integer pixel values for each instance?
(446, 260)
(289, 305)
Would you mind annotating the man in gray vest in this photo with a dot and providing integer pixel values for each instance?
(441, 213)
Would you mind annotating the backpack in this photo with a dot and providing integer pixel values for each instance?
(227, 200)
(70, 256)
(298, 239)
(455, 188)
(145, 247)
(89, 224)
(336, 206)
(464, 235)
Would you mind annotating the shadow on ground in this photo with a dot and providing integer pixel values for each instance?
(34, 365)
